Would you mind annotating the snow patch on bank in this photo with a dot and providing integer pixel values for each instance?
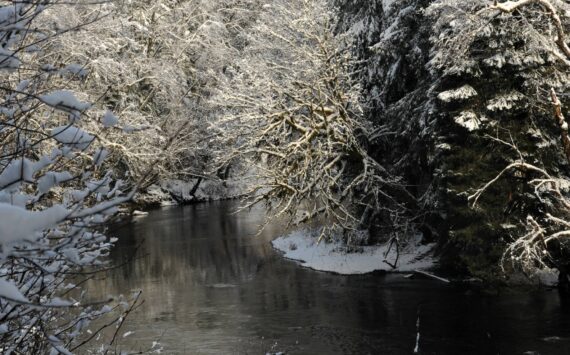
(334, 257)
(547, 277)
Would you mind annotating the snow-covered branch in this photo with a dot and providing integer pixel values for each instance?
(55, 190)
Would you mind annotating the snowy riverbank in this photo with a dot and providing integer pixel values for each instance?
(172, 192)
(301, 246)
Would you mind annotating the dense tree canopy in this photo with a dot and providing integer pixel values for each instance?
(378, 119)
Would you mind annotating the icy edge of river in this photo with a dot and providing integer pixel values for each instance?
(301, 246)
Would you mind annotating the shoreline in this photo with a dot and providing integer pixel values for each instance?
(300, 246)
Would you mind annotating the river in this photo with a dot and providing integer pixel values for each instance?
(211, 286)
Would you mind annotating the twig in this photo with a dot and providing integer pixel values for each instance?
(559, 116)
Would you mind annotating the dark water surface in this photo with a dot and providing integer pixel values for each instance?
(212, 287)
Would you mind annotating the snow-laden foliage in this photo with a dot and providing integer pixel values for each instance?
(447, 83)
(527, 41)
(154, 64)
(292, 113)
(55, 192)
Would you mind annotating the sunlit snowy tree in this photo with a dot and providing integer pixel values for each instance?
(292, 112)
(155, 65)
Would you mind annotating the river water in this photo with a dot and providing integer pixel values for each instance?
(211, 286)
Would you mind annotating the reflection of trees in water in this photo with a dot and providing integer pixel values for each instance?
(187, 255)
(197, 253)
(208, 274)
(196, 244)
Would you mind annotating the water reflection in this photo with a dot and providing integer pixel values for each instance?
(212, 287)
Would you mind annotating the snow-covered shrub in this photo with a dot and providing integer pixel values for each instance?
(55, 190)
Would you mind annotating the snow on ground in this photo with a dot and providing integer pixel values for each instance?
(547, 277)
(302, 246)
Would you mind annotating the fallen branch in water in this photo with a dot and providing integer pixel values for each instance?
(424, 273)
